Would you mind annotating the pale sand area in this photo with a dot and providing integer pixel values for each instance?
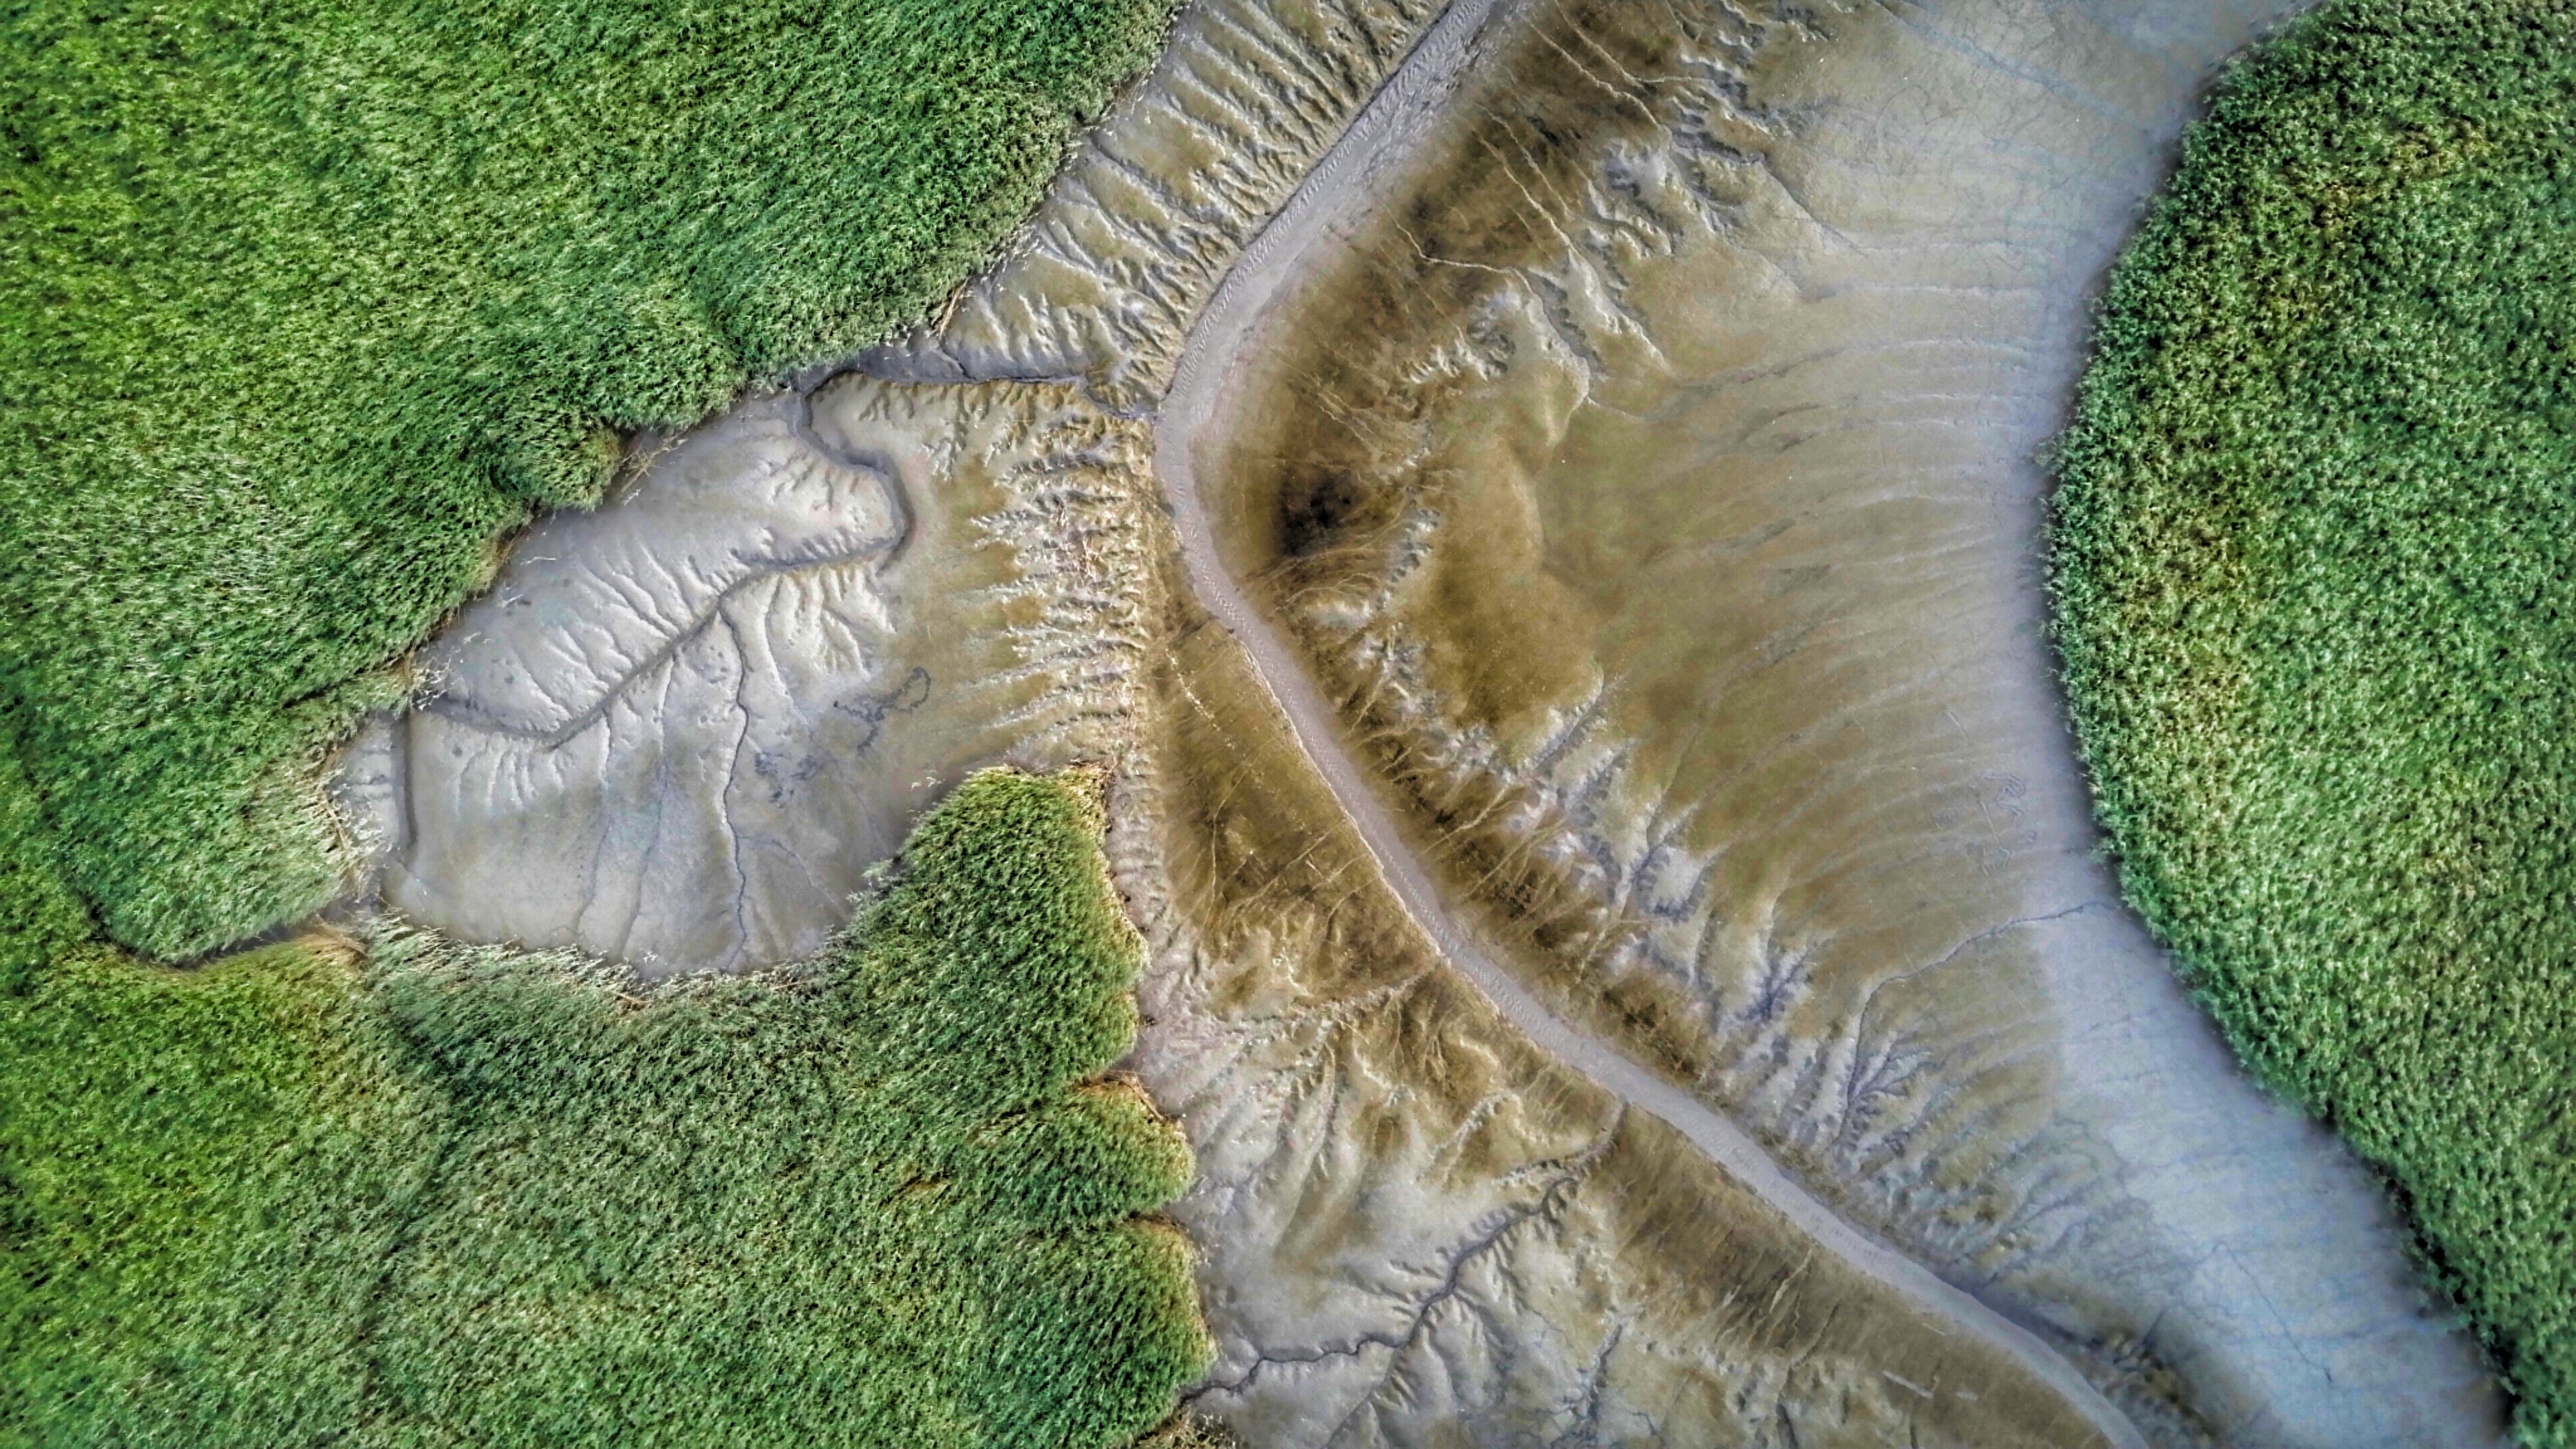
(1653, 473)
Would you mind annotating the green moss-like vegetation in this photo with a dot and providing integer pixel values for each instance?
(303, 306)
(456, 1198)
(2315, 573)
(40, 917)
(203, 1176)
(303, 303)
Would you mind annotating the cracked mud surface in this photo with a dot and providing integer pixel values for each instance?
(1648, 473)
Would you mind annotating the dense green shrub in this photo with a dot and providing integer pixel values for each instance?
(2314, 557)
(304, 303)
(470, 1199)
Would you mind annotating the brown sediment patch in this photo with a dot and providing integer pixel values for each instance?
(1649, 478)
(682, 727)
(1146, 217)
(1418, 1227)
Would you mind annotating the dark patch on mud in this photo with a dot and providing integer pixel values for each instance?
(1317, 504)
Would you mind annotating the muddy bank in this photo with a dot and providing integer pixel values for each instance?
(1651, 477)
(1419, 1228)
(681, 727)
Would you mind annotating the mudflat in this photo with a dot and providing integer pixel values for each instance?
(1622, 421)
(1653, 477)
(682, 726)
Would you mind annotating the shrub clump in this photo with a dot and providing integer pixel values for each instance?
(303, 306)
(2314, 567)
(457, 1196)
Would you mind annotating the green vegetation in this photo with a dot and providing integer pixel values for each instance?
(303, 305)
(40, 918)
(302, 309)
(454, 1198)
(2315, 573)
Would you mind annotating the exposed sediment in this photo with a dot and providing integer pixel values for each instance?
(1641, 449)
(1652, 478)
(681, 727)
(1217, 343)
(1137, 230)
(1419, 1228)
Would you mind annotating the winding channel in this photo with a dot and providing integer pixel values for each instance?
(1334, 195)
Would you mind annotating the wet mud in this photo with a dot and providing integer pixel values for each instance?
(681, 727)
(1415, 1228)
(1652, 475)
